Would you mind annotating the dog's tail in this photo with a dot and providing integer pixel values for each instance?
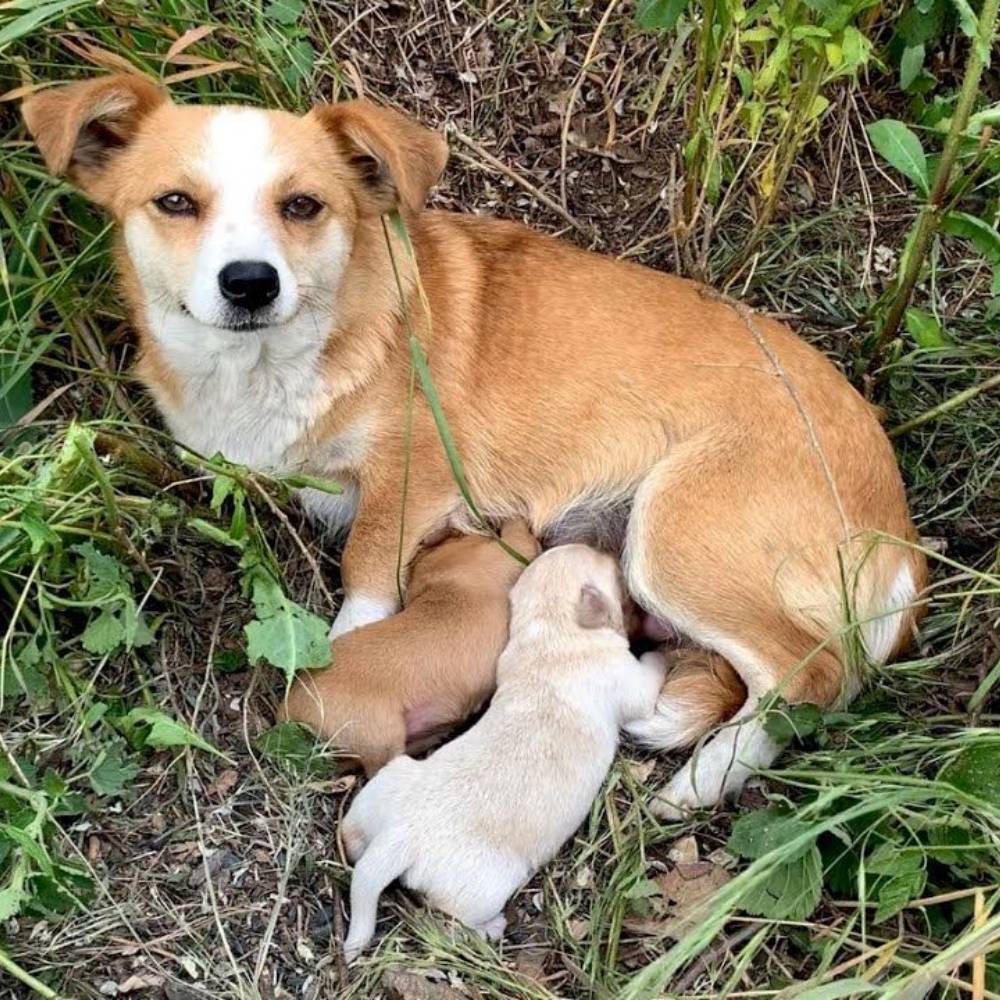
(701, 692)
(385, 859)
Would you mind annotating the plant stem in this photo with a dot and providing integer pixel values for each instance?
(693, 170)
(949, 404)
(12, 968)
(929, 219)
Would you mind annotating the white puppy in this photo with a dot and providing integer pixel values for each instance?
(472, 823)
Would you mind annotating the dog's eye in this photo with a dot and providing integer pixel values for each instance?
(176, 203)
(301, 207)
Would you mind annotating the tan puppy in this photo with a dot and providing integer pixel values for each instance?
(756, 494)
(474, 821)
(398, 683)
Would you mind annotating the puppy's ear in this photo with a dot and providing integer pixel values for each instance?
(595, 610)
(80, 127)
(395, 160)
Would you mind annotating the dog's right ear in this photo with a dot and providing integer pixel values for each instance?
(595, 610)
(80, 127)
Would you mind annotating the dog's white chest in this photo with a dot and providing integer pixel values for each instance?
(248, 396)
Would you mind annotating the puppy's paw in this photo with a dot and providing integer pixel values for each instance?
(493, 929)
(358, 610)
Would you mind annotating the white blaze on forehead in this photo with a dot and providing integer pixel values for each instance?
(239, 162)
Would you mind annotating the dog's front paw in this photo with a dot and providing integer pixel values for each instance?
(358, 610)
(681, 796)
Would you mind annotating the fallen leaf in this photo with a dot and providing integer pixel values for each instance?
(140, 981)
(224, 783)
(410, 986)
(684, 851)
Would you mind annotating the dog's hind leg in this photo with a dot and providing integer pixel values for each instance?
(748, 565)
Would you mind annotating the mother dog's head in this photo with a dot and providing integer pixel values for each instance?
(237, 218)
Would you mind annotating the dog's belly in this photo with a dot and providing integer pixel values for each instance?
(600, 522)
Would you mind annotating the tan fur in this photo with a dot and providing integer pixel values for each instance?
(437, 657)
(762, 480)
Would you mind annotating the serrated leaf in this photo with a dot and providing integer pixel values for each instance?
(976, 770)
(925, 330)
(979, 233)
(788, 722)
(900, 147)
(12, 899)
(967, 19)
(897, 891)
(758, 833)
(165, 732)
(891, 858)
(791, 891)
(103, 634)
(294, 747)
(285, 634)
(659, 15)
(112, 773)
(285, 12)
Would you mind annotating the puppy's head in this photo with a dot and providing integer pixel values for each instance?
(573, 585)
(471, 561)
(234, 218)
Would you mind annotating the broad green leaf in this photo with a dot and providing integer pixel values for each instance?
(967, 19)
(13, 897)
(897, 891)
(112, 773)
(286, 635)
(758, 833)
(791, 891)
(910, 65)
(901, 148)
(789, 722)
(15, 395)
(659, 15)
(892, 858)
(976, 770)
(166, 732)
(925, 330)
(103, 634)
(294, 747)
(979, 233)
(285, 12)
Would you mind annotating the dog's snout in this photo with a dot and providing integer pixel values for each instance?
(249, 284)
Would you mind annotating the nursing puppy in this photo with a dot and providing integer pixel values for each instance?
(400, 682)
(473, 822)
(757, 499)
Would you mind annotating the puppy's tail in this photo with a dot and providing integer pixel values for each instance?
(385, 859)
(701, 692)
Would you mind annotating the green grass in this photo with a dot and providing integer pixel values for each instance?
(137, 582)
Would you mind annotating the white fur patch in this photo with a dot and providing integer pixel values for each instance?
(242, 164)
(881, 633)
(718, 769)
(358, 610)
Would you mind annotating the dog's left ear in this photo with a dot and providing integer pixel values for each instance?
(396, 160)
(595, 610)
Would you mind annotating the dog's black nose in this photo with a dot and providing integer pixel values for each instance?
(249, 284)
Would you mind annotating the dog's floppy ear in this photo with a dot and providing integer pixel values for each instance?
(396, 160)
(595, 610)
(80, 127)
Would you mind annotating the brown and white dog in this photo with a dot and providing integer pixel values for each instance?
(757, 495)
